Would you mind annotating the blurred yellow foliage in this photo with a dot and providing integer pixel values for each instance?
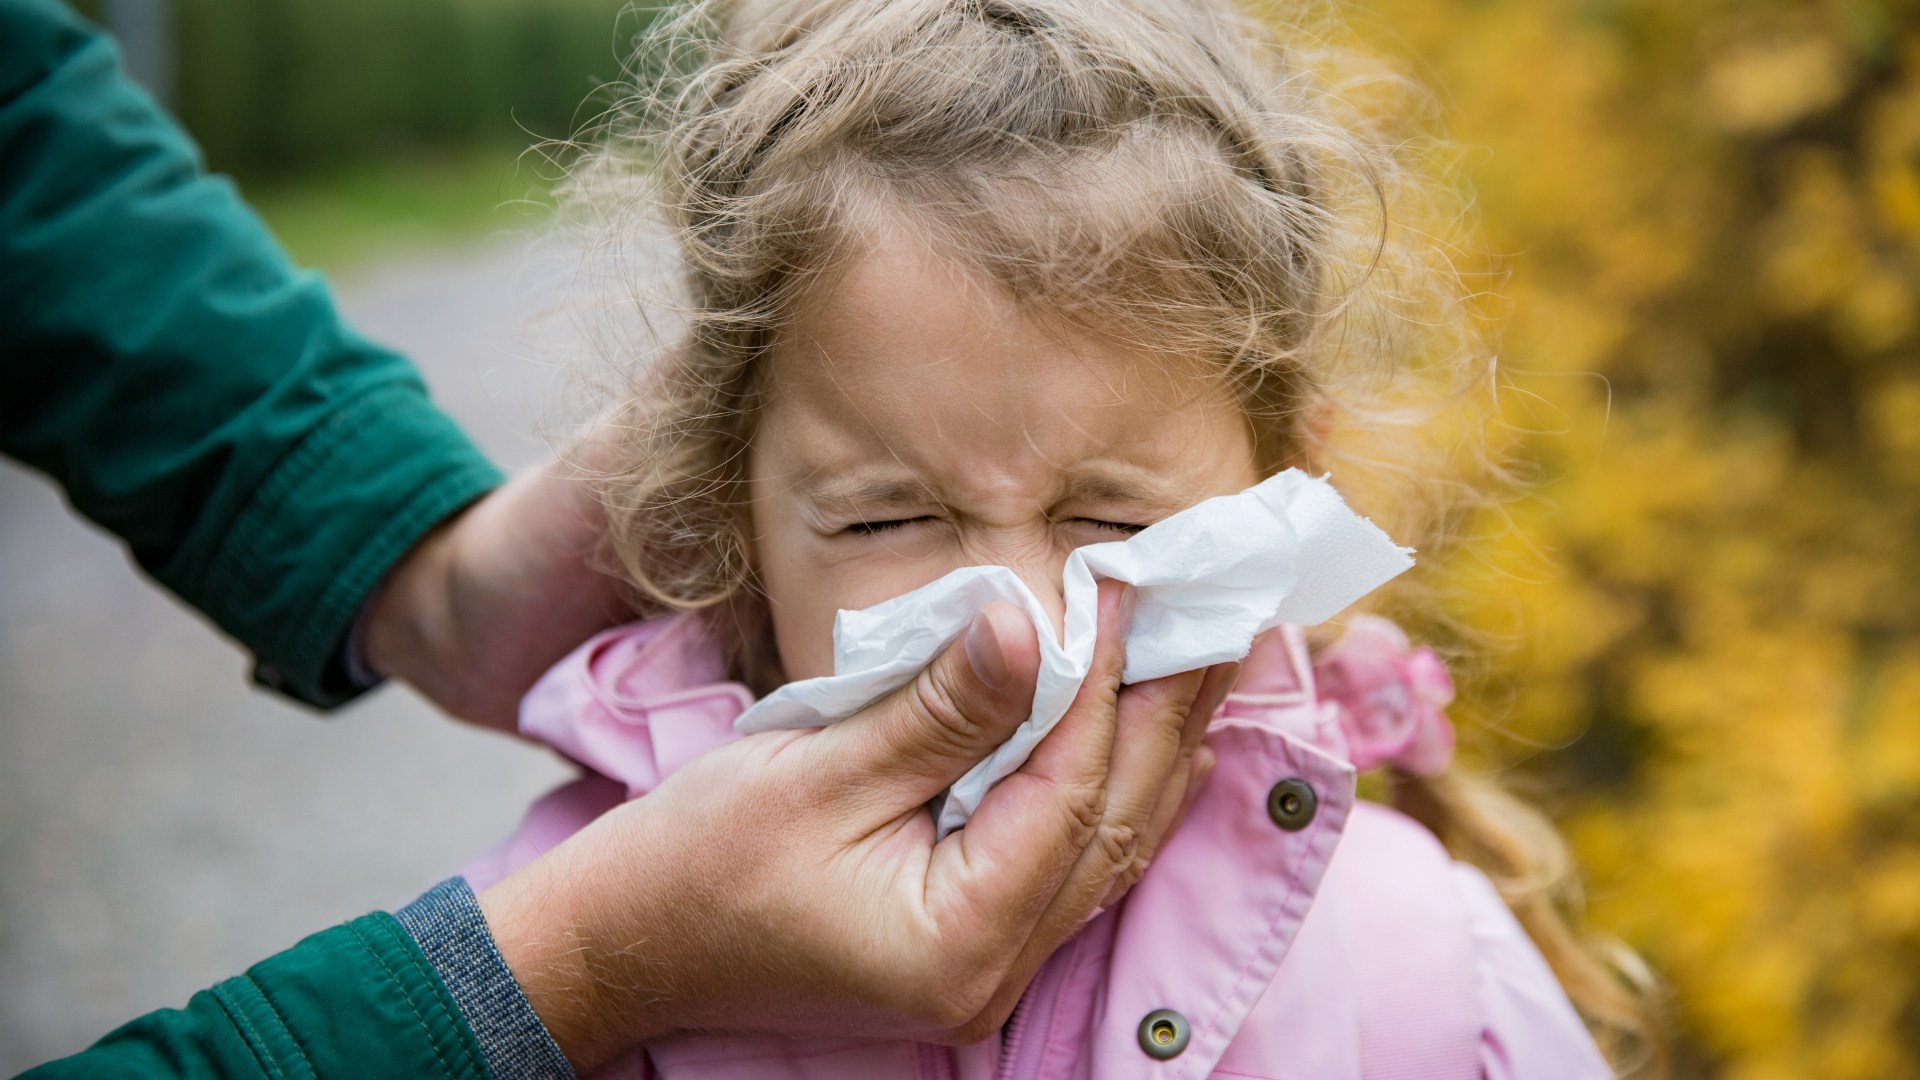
(1708, 213)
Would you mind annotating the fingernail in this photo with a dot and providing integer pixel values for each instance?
(1128, 597)
(989, 660)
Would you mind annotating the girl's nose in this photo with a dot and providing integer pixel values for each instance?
(1046, 586)
(1035, 558)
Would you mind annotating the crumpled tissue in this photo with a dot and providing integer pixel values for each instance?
(1209, 579)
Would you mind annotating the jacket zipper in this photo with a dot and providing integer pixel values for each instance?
(1023, 1052)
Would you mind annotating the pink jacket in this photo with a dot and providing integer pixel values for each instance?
(1287, 931)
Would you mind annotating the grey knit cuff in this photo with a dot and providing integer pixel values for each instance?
(448, 926)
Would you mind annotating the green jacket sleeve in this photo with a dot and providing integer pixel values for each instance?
(355, 1001)
(192, 391)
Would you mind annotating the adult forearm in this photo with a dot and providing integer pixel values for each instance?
(193, 391)
(359, 1000)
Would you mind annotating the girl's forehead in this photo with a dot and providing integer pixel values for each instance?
(912, 363)
(903, 323)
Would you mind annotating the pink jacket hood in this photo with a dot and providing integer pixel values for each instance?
(1287, 931)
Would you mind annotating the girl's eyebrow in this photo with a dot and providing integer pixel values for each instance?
(1116, 489)
(854, 490)
(897, 491)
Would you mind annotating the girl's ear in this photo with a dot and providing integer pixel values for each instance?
(1313, 430)
(1320, 418)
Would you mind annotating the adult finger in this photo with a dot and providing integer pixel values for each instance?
(1149, 720)
(1077, 753)
(1029, 831)
(1157, 725)
(1219, 682)
(915, 742)
(1195, 761)
(1065, 780)
(1197, 773)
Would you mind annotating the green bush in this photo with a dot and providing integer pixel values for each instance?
(276, 86)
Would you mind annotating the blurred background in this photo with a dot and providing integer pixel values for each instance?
(1711, 216)
(1707, 222)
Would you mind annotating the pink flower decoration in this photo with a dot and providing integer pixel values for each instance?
(1392, 698)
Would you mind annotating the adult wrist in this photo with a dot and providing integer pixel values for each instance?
(406, 616)
(583, 961)
(452, 933)
(327, 558)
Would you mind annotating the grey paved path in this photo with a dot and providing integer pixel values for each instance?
(161, 824)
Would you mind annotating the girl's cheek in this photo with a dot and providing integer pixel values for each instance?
(881, 571)
(804, 610)
(810, 583)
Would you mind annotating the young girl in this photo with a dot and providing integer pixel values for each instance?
(981, 281)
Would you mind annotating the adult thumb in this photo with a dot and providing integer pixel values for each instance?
(915, 742)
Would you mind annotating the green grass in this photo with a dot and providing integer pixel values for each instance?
(339, 219)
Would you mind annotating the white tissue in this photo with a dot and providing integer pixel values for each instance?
(1209, 579)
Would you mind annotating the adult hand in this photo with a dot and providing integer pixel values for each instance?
(492, 598)
(790, 882)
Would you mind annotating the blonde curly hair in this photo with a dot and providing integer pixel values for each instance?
(1162, 172)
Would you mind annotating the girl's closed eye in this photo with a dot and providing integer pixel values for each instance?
(1126, 528)
(870, 528)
